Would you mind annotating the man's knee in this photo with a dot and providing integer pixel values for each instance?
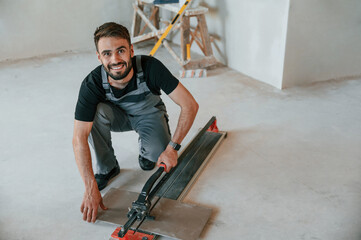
(104, 113)
(153, 149)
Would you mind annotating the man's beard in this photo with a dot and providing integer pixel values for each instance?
(120, 75)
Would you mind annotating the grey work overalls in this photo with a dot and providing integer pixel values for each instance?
(138, 110)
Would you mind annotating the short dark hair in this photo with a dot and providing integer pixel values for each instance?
(111, 29)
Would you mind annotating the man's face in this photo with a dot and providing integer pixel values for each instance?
(115, 54)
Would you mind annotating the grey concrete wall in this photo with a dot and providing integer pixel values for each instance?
(37, 27)
(323, 41)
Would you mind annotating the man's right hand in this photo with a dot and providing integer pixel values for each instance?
(92, 198)
(91, 202)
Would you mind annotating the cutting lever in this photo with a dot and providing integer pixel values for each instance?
(141, 207)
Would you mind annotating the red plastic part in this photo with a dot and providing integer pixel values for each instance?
(163, 165)
(131, 236)
(213, 127)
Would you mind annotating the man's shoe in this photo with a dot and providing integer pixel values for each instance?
(103, 179)
(146, 164)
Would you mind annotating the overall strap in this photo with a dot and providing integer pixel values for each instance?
(105, 83)
(140, 74)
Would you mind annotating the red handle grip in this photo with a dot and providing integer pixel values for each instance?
(162, 164)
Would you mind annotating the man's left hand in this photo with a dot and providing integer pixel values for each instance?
(169, 157)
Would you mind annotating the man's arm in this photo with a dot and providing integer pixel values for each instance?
(189, 107)
(92, 197)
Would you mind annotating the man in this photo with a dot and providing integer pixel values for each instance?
(122, 94)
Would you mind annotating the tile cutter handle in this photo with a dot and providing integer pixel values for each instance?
(141, 207)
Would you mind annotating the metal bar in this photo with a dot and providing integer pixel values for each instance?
(201, 168)
(189, 166)
(201, 132)
(167, 176)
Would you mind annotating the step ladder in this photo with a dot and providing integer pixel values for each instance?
(188, 35)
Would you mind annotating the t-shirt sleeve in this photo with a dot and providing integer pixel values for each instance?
(90, 94)
(160, 77)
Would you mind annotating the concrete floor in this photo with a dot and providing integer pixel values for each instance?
(289, 169)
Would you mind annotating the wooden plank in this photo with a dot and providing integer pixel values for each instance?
(152, 17)
(201, 63)
(203, 29)
(144, 18)
(193, 34)
(195, 38)
(156, 21)
(171, 51)
(136, 22)
(185, 33)
(196, 11)
(188, 12)
(151, 35)
(148, 36)
(146, 1)
(156, 17)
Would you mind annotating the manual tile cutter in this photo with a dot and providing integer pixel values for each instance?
(172, 185)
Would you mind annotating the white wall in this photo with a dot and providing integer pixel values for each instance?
(289, 42)
(37, 27)
(252, 35)
(255, 35)
(323, 41)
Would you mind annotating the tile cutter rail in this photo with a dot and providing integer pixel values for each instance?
(173, 185)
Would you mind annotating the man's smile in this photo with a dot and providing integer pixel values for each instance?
(118, 66)
(119, 70)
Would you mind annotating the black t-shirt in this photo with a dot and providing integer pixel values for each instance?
(156, 75)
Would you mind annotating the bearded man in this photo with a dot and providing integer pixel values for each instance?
(123, 94)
